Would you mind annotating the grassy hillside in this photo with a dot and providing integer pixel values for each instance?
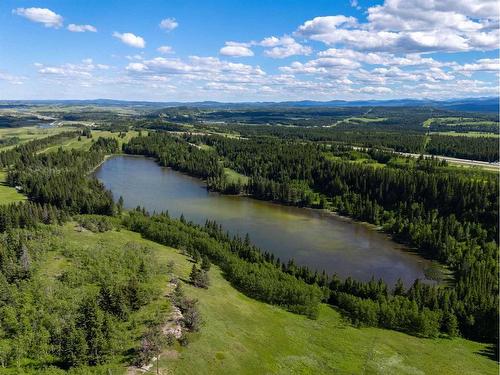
(248, 337)
(8, 194)
(243, 336)
(234, 177)
(29, 133)
(84, 143)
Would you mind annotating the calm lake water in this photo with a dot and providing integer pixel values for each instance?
(312, 237)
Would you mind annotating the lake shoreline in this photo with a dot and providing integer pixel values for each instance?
(318, 238)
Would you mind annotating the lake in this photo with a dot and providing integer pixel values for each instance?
(312, 237)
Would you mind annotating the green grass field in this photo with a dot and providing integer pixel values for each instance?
(359, 120)
(244, 336)
(85, 143)
(8, 194)
(459, 121)
(205, 147)
(365, 120)
(469, 134)
(30, 133)
(233, 176)
(27, 134)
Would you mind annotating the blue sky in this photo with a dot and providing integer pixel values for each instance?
(248, 50)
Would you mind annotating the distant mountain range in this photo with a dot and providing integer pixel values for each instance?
(483, 104)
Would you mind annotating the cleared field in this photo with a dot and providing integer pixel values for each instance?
(205, 147)
(458, 121)
(469, 134)
(30, 133)
(8, 194)
(365, 119)
(358, 120)
(84, 143)
(234, 176)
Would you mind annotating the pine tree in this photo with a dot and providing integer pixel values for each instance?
(399, 288)
(450, 324)
(193, 276)
(97, 329)
(74, 346)
(205, 263)
(119, 205)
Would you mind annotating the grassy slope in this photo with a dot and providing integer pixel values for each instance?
(55, 263)
(244, 336)
(233, 176)
(29, 133)
(85, 143)
(8, 194)
(248, 337)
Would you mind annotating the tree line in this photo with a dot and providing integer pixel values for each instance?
(12, 156)
(476, 148)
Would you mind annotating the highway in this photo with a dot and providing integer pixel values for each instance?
(467, 162)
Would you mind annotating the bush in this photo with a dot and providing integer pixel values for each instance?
(95, 223)
(199, 277)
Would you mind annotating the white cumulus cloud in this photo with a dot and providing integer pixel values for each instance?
(236, 49)
(375, 90)
(12, 79)
(481, 65)
(410, 26)
(41, 15)
(81, 28)
(285, 46)
(169, 24)
(130, 39)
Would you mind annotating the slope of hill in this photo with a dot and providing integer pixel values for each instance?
(244, 336)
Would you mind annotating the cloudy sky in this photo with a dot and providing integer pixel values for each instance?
(248, 50)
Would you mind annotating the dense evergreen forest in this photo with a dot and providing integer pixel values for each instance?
(402, 129)
(411, 140)
(443, 214)
(477, 148)
(60, 178)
